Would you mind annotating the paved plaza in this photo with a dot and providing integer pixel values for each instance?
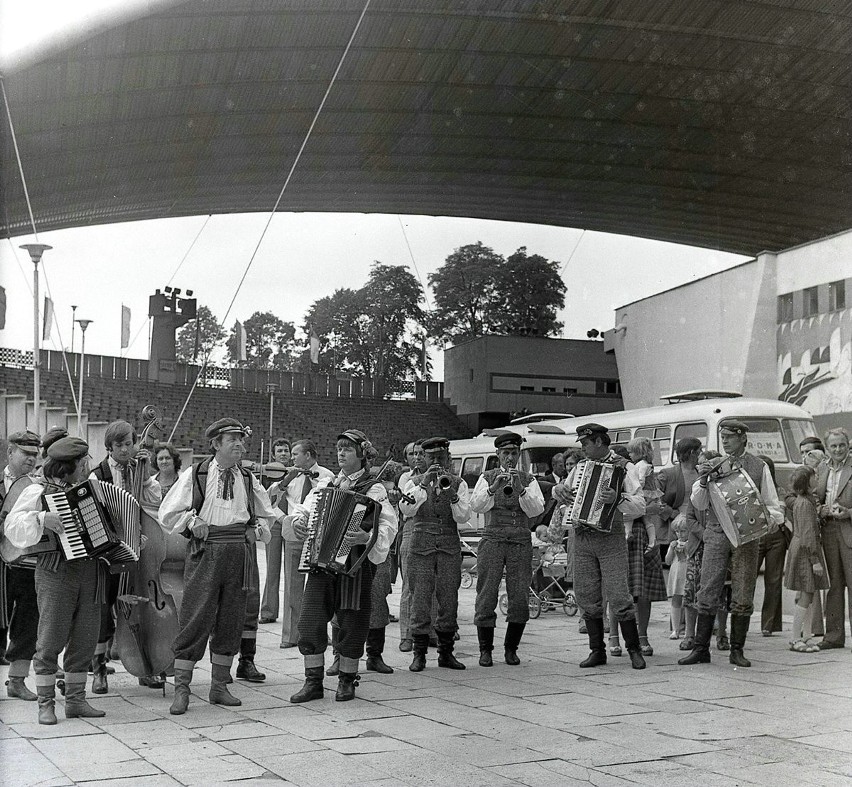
(788, 720)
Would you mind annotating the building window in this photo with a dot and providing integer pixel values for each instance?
(471, 375)
(569, 390)
(810, 307)
(608, 388)
(785, 307)
(837, 296)
(527, 387)
(546, 389)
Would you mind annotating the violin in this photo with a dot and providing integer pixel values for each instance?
(147, 620)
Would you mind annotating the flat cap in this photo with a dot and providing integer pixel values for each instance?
(224, 425)
(507, 439)
(734, 427)
(27, 441)
(66, 448)
(355, 435)
(591, 431)
(52, 435)
(435, 444)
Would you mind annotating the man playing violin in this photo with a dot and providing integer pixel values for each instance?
(119, 468)
(510, 498)
(719, 554)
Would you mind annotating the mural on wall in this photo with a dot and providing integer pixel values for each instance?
(815, 363)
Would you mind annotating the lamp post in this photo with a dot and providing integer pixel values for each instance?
(73, 323)
(36, 250)
(83, 325)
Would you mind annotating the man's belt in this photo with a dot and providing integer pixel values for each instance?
(433, 526)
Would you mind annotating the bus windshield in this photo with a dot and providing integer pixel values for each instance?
(537, 460)
(765, 438)
(795, 430)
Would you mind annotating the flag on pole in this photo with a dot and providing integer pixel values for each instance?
(314, 346)
(48, 319)
(125, 326)
(239, 341)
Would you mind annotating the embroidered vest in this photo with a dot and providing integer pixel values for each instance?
(507, 511)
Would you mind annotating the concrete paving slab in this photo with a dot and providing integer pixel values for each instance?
(140, 781)
(256, 749)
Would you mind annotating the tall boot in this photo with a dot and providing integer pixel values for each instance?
(183, 677)
(76, 706)
(312, 690)
(739, 629)
(420, 646)
(346, 685)
(99, 674)
(375, 648)
(595, 629)
(701, 650)
(15, 686)
(246, 670)
(445, 651)
(630, 632)
(219, 694)
(485, 634)
(514, 632)
(46, 704)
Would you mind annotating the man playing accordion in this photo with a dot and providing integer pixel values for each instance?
(348, 597)
(719, 553)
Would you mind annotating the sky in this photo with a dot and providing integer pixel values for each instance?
(303, 256)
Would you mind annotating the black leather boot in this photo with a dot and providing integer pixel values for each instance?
(739, 629)
(246, 669)
(701, 649)
(420, 646)
(312, 690)
(595, 630)
(445, 651)
(334, 670)
(486, 645)
(375, 648)
(346, 685)
(630, 632)
(99, 674)
(514, 632)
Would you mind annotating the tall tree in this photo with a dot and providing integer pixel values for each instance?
(464, 289)
(529, 292)
(270, 342)
(199, 337)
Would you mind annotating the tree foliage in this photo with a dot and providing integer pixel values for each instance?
(210, 334)
(270, 343)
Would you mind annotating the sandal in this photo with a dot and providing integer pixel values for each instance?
(688, 643)
(645, 647)
(723, 643)
(614, 646)
(800, 646)
(674, 635)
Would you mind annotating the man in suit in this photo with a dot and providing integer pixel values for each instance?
(834, 489)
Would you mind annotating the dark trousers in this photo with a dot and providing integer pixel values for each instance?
(107, 624)
(319, 606)
(214, 602)
(434, 567)
(493, 557)
(601, 570)
(248, 645)
(838, 561)
(718, 554)
(68, 618)
(22, 613)
(772, 548)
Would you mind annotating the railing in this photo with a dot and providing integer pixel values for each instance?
(238, 378)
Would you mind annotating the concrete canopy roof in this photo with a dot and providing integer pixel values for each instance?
(707, 122)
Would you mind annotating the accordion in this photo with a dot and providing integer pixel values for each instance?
(337, 512)
(99, 520)
(588, 510)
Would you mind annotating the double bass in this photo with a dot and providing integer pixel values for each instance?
(147, 615)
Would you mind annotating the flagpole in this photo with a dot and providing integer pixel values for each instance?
(35, 251)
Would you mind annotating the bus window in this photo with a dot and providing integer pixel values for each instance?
(660, 437)
(537, 460)
(456, 465)
(764, 437)
(472, 470)
(698, 429)
(795, 431)
(491, 462)
(621, 437)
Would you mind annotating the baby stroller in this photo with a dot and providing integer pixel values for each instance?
(552, 583)
(469, 550)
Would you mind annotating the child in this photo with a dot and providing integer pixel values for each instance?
(805, 568)
(814, 458)
(676, 559)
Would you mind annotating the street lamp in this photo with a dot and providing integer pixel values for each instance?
(83, 325)
(73, 322)
(36, 250)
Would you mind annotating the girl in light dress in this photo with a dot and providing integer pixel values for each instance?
(676, 559)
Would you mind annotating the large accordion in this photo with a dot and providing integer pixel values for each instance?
(588, 510)
(99, 520)
(337, 513)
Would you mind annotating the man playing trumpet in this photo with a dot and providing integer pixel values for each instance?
(510, 498)
(436, 503)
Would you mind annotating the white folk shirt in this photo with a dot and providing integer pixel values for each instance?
(151, 492)
(24, 526)
(388, 522)
(293, 492)
(215, 511)
(460, 509)
(701, 496)
(531, 498)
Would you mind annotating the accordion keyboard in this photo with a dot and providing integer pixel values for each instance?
(70, 537)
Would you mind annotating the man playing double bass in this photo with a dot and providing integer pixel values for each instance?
(719, 553)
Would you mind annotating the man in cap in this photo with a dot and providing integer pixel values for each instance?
(120, 468)
(510, 498)
(720, 555)
(440, 504)
(18, 602)
(222, 508)
(600, 558)
(70, 593)
(347, 597)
